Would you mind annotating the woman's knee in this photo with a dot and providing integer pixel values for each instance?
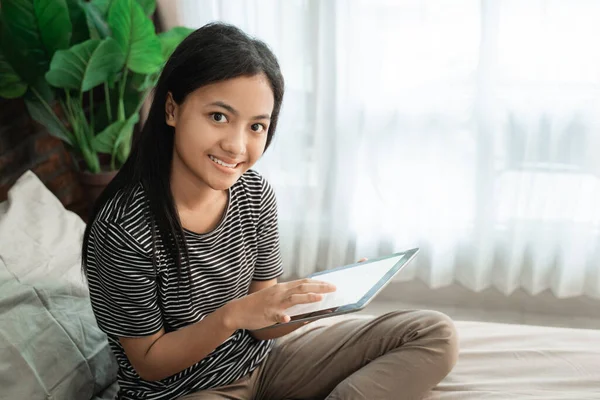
(436, 331)
(441, 333)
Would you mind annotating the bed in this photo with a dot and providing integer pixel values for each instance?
(51, 348)
(502, 361)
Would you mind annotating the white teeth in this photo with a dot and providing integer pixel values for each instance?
(223, 163)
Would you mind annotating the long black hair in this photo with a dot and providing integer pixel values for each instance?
(213, 53)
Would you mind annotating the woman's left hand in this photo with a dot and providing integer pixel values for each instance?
(363, 259)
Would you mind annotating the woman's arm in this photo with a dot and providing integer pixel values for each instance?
(160, 355)
(163, 354)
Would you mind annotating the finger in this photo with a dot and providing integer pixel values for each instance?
(283, 318)
(315, 287)
(301, 282)
(305, 298)
(280, 317)
(362, 260)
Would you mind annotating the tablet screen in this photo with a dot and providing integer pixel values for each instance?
(352, 284)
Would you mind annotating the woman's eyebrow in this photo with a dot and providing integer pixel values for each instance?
(262, 116)
(225, 106)
(235, 112)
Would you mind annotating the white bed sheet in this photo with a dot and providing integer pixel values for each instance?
(518, 362)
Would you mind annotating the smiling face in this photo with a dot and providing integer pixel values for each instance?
(221, 129)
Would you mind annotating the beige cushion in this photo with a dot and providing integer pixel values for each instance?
(50, 345)
(40, 238)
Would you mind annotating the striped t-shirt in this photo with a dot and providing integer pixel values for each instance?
(130, 298)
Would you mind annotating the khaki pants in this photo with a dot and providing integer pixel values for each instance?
(400, 355)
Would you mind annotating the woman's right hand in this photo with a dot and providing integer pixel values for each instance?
(267, 307)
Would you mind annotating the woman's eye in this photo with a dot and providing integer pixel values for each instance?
(218, 117)
(257, 127)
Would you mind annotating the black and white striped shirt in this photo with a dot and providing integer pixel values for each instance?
(130, 298)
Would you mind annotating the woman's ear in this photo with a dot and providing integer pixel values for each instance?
(171, 109)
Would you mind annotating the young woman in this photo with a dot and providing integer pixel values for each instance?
(182, 256)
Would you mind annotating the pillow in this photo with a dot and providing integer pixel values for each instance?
(40, 238)
(50, 344)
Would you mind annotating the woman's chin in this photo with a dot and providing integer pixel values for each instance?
(223, 183)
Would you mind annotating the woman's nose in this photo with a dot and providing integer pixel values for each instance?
(235, 142)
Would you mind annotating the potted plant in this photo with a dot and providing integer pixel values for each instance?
(84, 70)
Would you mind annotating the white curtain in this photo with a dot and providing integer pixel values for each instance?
(468, 128)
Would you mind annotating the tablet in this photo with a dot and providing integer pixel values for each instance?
(357, 284)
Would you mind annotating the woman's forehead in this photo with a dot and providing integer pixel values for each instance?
(248, 95)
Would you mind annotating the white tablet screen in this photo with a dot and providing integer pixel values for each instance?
(351, 283)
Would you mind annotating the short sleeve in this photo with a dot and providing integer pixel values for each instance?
(268, 263)
(122, 283)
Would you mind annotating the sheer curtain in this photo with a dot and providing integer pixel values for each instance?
(468, 128)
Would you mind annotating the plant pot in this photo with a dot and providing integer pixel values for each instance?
(93, 184)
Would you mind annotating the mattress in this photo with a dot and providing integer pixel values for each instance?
(514, 362)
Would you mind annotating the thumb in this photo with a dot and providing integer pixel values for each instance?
(283, 318)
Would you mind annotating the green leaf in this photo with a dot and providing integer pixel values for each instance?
(85, 65)
(53, 23)
(170, 40)
(21, 40)
(131, 99)
(135, 34)
(78, 21)
(11, 84)
(125, 148)
(115, 78)
(96, 21)
(32, 31)
(141, 82)
(91, 160)
(103, 6)
(107, 140)
(123, 143)
(40, 112)
(149, 6)
(43, 89)
(137, 81)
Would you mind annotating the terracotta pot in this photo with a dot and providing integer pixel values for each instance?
(94, 184)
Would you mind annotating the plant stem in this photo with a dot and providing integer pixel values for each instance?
(84, 120)
(72, 118)
(80, 128)
(63, 105)
(69, 115)
(107, 100)
(49, 109)
(121, 116)
(91, 112)
(86, 128)
(68, 96)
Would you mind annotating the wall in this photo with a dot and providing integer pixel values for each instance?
(25, 145)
